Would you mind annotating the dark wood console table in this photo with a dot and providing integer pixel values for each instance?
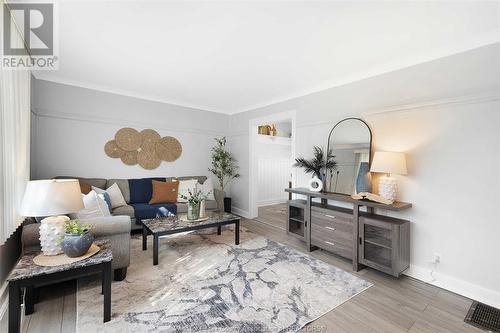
(366, 238)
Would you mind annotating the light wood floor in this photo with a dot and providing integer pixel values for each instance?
(391, 305)
(273, 215)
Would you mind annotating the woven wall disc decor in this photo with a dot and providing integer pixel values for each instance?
(128, 139)
(148, 159)
(112, 150)
(146, 148)
(168, 149)
(130, 157)
(149, 139)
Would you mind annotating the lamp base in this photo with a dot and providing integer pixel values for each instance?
(51, 234)
(388, 187)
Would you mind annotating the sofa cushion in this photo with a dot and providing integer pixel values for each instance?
(141, 190)
(95, 206)
(123, 185)
(146, 211)
(124, 210)
(164, 192)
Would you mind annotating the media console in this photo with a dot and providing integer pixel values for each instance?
(378, 241)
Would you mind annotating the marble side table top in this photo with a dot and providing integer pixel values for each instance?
(163, 224)
(26, 268)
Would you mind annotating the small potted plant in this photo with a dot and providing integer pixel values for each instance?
(77, 238)
(194, 200)
(319, 164)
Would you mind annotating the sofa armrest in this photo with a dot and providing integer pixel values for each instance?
(109, 225)
(219, 197)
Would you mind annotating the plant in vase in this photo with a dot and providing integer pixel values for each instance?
(194, 199)
(77, 238)
(319, 165)
(224, 168)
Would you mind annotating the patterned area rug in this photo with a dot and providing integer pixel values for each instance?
(204, 283)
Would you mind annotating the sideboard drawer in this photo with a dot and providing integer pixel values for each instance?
(331, 213)
(334, 231)
(340, 248)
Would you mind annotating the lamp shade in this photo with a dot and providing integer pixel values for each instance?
(51, 197)
(389, 162)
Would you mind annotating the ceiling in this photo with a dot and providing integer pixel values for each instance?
(230, 57)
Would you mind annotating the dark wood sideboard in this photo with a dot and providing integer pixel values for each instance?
(366, 238)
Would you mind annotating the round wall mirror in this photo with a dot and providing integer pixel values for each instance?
(350, 142)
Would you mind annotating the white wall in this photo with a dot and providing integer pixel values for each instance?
(73, 124)
(274, 171)
(445, 115)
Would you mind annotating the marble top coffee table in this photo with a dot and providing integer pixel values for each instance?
(26, 274)
(173, 225)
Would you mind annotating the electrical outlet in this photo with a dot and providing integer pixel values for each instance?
(437, 258)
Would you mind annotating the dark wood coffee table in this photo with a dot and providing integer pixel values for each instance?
(173, 225)
(26, 274)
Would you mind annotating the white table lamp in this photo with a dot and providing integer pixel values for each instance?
(388, 163)
(51, 198)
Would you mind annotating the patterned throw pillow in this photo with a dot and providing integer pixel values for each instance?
(184, 186)
(207, 188)
(164, 192)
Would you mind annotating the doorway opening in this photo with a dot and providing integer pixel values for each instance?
(272, 153)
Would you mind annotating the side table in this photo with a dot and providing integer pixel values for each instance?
(26, 274)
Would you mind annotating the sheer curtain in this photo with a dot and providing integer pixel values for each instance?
(15, 119)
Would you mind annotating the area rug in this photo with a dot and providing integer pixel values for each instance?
(205, 283)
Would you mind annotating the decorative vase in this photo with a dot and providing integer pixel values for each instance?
(51, 233)
(202, 208)
(364, 181)
(77, 245)
(193, 212)
(315, 184)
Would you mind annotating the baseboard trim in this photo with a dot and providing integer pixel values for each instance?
(455, 285)
(241, 212)
(269, 202)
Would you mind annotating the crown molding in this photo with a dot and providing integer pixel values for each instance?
(44, 113)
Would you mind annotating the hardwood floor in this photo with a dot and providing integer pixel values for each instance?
(391, 305)
(273, 215)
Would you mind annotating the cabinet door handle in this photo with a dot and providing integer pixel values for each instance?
(330, 216)
(330, 228)
(327, 242)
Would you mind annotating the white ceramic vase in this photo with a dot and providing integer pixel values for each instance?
(202, 209)
(315, 184)
(51, 234)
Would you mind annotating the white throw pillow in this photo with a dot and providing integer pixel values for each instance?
(115, 195)
(94, 207)
(184, 186)
(207, 187)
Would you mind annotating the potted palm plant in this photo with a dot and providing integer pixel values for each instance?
(319, 164)
(224, 168)
(77, 238)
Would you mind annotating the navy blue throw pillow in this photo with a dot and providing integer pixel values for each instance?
(141, 190)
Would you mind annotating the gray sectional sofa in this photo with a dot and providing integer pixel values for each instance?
(128, 210)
